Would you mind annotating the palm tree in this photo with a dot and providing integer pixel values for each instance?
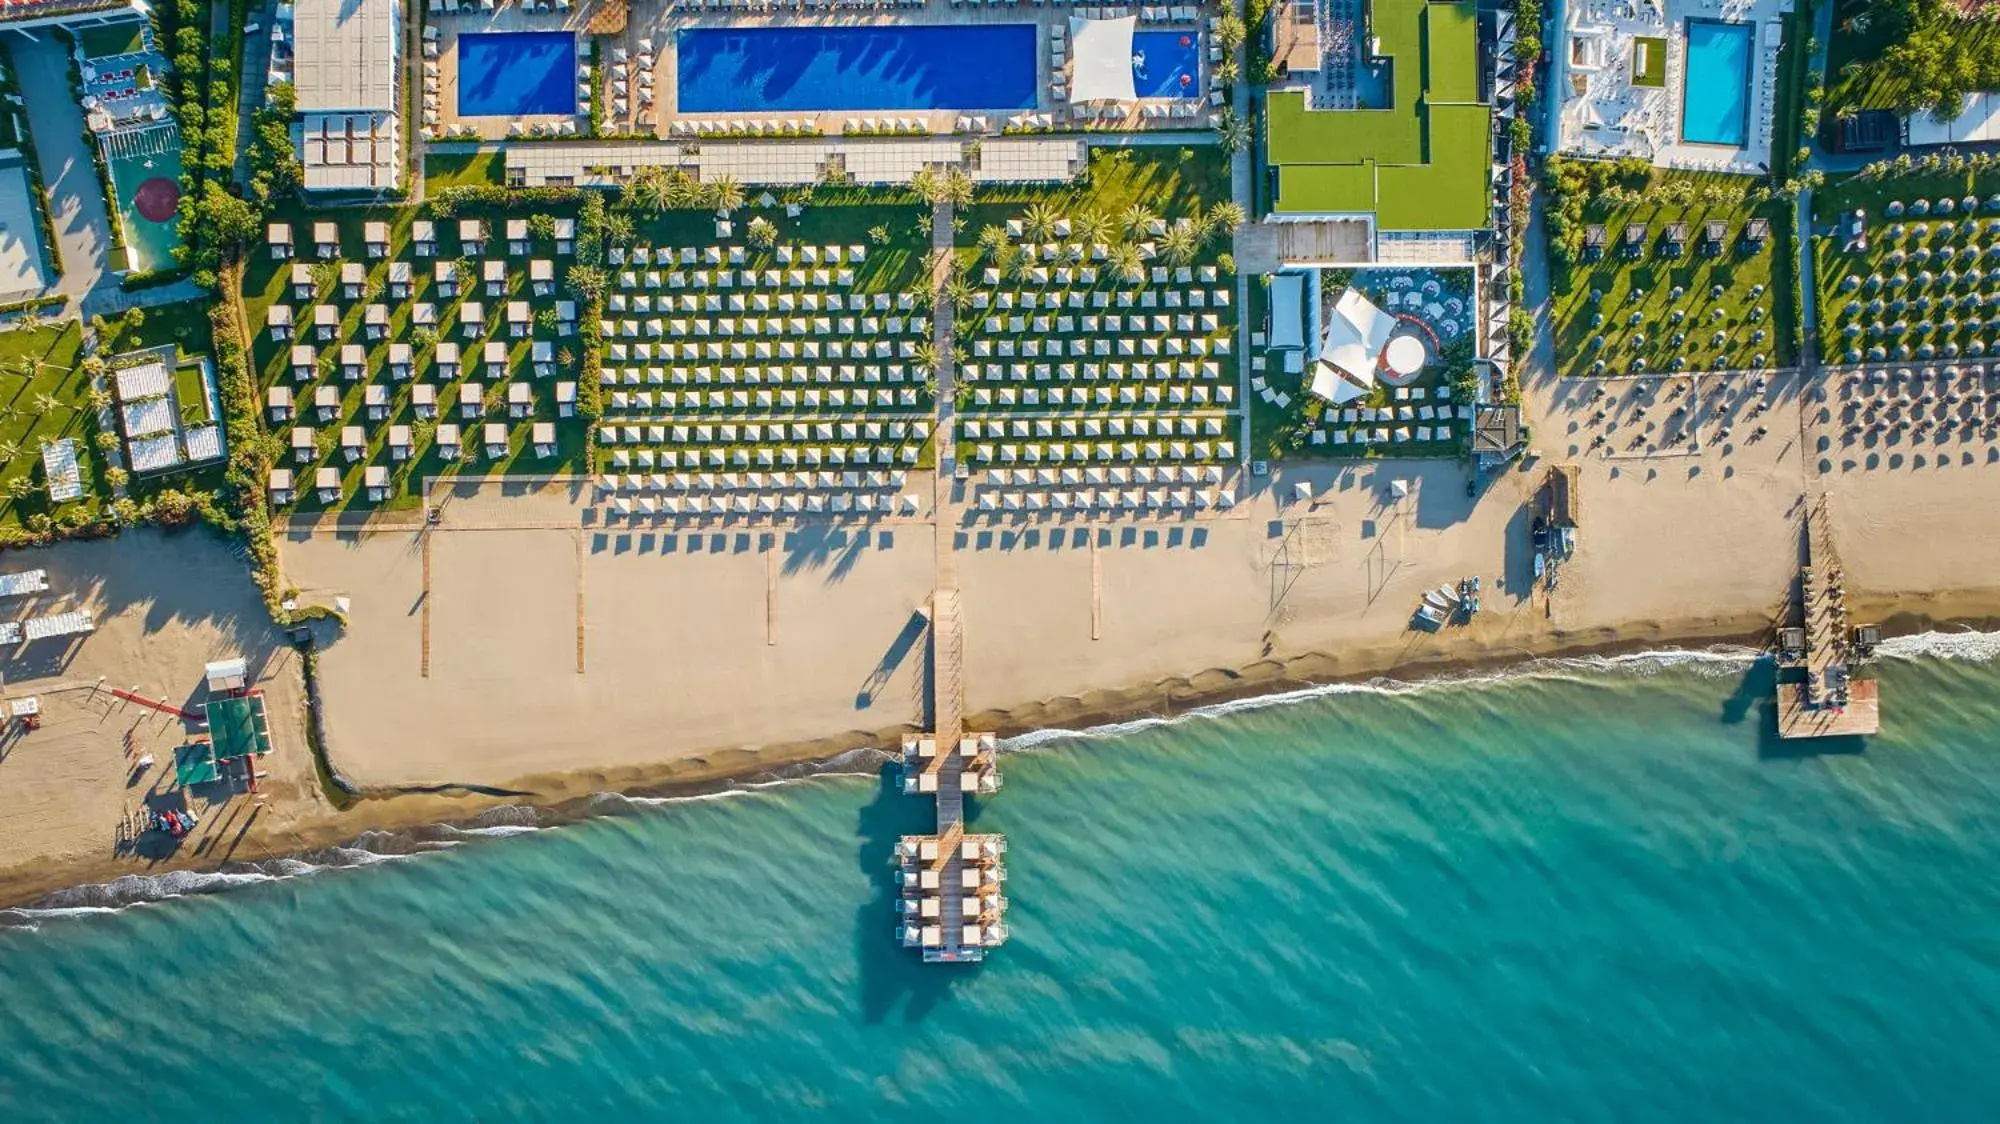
(957, 187)
(1225, 217)
(924, 356)
(992, 241)
(958, 291)
(1124, 260)
(19, 487)
(762, 233)
(1182, 243)
(618, 229)
(926, 185)
(9, 450)
(1095, 226)
(1234, 133)
(1040, 221)
(726, 194)
(648, 190)
(1138, 218)
(99, 399)
(46, 404)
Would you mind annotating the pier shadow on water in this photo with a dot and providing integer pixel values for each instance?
(1755, 700)
(895, 981)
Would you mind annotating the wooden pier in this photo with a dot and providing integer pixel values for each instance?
(949, 883)
(1821, 696)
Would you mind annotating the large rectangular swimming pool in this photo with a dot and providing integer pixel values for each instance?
(1715, 89)
(802, 69)
(1166, 64)
(516, 73)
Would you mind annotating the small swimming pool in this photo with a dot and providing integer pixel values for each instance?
(803, 69)
(1715, 89)
(1166, 64)
(516, 73)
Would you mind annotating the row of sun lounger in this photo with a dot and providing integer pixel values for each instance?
(767, 504)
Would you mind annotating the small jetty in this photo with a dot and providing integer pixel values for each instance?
(949, 901)
(1819, 694)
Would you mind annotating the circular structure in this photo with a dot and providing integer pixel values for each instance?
(157, 199)
(1403, 358)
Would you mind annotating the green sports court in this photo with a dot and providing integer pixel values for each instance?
(145, 169)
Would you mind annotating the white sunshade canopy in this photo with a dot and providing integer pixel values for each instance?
(1102, 50)
(1351, 348)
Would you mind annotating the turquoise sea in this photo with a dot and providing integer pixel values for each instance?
(1591, 891)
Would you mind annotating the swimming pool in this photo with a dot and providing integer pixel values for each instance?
(1715, 90)
(793, 69)
(1166, 64)
(516, 73)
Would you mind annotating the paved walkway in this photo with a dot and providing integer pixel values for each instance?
(76, 199)
(250, 92)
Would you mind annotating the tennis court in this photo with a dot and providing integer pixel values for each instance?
(145, 167)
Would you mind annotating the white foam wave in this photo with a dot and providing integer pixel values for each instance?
(1719, 660)
(1970, 646)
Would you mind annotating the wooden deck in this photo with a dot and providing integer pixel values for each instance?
(1861, 716)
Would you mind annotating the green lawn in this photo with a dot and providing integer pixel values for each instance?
(185, 325)
(267, 282)
(1851, 301)
(109, 40)
(1658, 313)
(43, 396)
(485, 169)
(1946, 55)
(1173, 182)
(1649, 61)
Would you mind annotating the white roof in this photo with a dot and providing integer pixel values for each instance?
(152, 454)
(147, 417)
(146, 380)
(344, 151)
(1350, 348)
(1978, 120)
(345, 55)
(204, 443)
(59, 465)
(1102, 54)
(26, 581)
(60, 624)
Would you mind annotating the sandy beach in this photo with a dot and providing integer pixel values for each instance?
(524, 652)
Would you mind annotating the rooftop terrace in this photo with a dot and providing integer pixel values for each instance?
(1419, 163)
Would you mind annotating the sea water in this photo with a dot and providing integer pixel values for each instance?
(1599, 890)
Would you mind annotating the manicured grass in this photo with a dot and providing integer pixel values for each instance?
(1863, 73)
(34, 363)
(122, 38)
(1623, 312)
(1836, 264)
(267, 282)
(185, 325)
(484, 169)
(1651, 71)
(1172, 181)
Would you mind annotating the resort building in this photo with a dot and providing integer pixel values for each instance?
(1382, 151)
(1978, 122)
(25, 15)
(1685, 84)
(347, 56)
(168, 412)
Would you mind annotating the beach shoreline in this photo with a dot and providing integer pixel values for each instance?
(558, 798)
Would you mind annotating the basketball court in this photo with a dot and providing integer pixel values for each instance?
(145, 167)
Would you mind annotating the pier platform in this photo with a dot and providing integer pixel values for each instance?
(1861, 715)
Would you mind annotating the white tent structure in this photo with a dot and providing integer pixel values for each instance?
(1351, 349)
(1102, 54)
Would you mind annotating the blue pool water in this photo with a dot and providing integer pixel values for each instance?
(1166, 64)
(1715, 92)
(516, 73)
(796, 69)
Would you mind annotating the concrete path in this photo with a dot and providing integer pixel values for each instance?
(250, 95)
(76, 199)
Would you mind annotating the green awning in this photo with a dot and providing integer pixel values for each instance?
(194, 764)
(238, 727)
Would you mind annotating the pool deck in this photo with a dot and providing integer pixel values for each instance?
(659, 21)
(1612, 118)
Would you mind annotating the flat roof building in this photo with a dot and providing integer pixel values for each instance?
(349, 56)
(1419, 162)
